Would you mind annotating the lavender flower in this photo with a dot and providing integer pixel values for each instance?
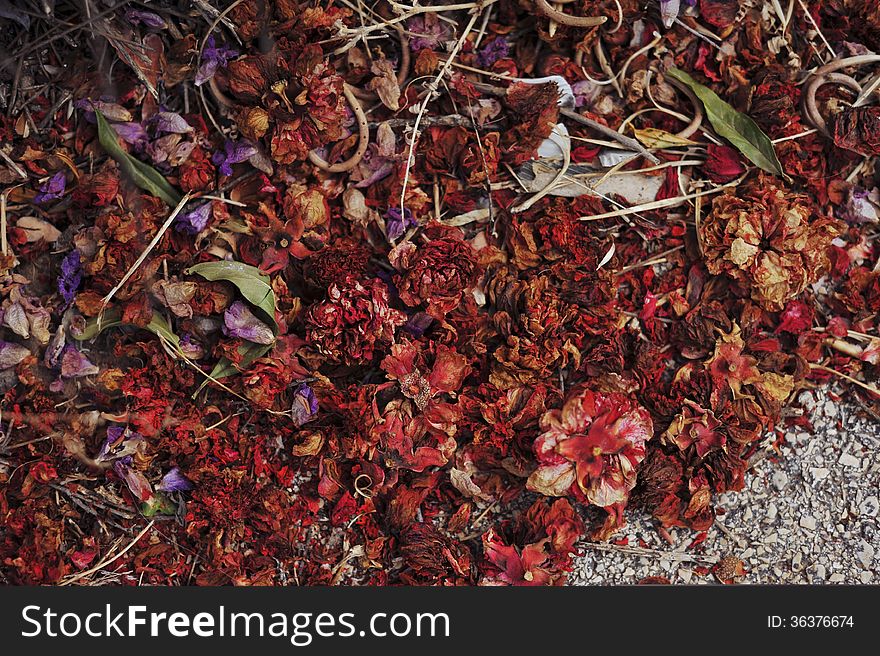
(398, 223)
(497, 49)
(305, 405)
(147, 18)
(239, 321)
(213, 57)
(174, 481)
(234, 152)
(71, 276)
(194, 220)
(52, 190)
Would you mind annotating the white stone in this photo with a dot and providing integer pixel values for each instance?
(780, 480)
(772, 511)
(819, 473)
(837, 577)
(807, 522)
(849, 460)
(866, 577)
(869, 506)
(865, 554)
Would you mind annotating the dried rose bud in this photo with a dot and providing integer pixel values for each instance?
(858, 129)
(722, 164)
(768, 239)
(436, 273)
(354, 321)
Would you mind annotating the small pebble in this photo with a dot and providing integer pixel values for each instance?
(865, 554)
(837, 577)
(869, 507)
(819, 473)
(780, 480)
(849, 460)
(807, 522)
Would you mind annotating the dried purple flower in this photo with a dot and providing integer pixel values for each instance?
(171, 122)
(132, 133)
(862, 206)
(174, 481)
(494, 50)
(52, 190)
(426, 31)
(11, 354)
(239, 321)
(417, 324)
(147, 18)
(194, 220)
(76, 365)
(191, 348)
(396, 223)
(71, 276)
(305, 405)
(213, 57)
(234, 152)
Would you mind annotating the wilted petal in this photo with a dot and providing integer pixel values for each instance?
(174, 481)
(147, 18)
(171, 122)
(11, 354)
(76, 365)
(15, 318)
(52, 190)
(241, 322)
(213, 57)
(305, 405)
(132, 133)
(669, 11)
(194, 221)
(71, 276)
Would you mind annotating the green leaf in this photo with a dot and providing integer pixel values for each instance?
(737, 128)
(158, 504)
(251, 282)
(144, 176)
(113, 318)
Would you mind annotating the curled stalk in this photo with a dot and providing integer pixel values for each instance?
(363, 138)
(545, 9)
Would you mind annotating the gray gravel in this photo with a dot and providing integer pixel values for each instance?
(808, 515)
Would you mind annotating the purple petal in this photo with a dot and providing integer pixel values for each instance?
(131, 133)
(171, 122)
(148, 18)
(71, 276)
(418, 323)
(11, 354)
(305, 405)
(174, 481)
(52, 190)
(194, 221)
(240, 322)
(213, 57)
(76, 365)
(398, 223)
(497, 49)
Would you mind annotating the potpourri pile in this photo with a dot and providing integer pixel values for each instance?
(376, 293)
